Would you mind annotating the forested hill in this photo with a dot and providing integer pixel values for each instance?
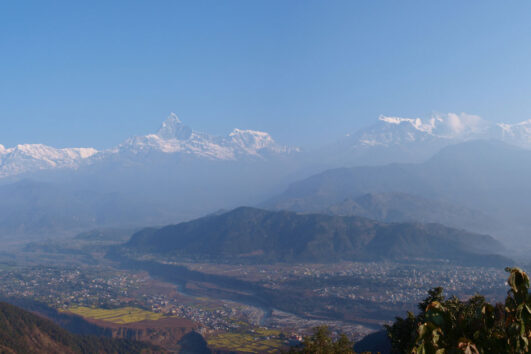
(24, 332)
(254, 235)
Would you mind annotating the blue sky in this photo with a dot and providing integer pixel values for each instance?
(93, 73)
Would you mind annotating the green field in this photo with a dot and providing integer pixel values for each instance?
(259, 341)
(120, 315)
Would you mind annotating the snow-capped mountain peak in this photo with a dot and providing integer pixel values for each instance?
(252, 141)
(173, 128)
(425, 136)
(172, 118)
(26, 158)
(416, 123)
(449, 126)
(418, 137)
(517, 133)
(392, 130)
(175, 137)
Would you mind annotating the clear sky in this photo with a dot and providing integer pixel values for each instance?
(92, 73)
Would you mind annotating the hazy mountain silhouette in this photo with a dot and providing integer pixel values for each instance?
(487, 176)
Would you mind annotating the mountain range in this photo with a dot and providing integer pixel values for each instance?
(401, 170)
(173, 137)
(34, 157)
(175, 174)
(396, 139)
(402, 207)
(489, 177)
(450, 127)
(391, 139)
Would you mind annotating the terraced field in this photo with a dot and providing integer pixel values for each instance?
(122, 315)
(259, 341)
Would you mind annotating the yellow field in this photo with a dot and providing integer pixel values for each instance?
(120, 316)
(249, 342)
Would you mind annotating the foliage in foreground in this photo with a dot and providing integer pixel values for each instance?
(321, 342)
(474, 326)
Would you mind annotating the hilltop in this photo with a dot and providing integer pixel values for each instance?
(255, 235)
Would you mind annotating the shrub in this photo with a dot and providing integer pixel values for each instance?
(321, 342)
(473, 326)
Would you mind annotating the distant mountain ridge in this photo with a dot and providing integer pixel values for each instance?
(487, 176)
(391, 139)
(451, 127)
(33, 157)
(173, 137)
(255, 235)
(404, 140)
(172, 175)
(179, 174)
(402, 207)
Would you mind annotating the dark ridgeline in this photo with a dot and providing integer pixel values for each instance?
(255, 235)
(25, 332)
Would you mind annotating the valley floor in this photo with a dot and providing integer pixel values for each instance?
(264, 306)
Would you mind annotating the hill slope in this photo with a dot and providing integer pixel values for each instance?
(24, 332)
(255, 235)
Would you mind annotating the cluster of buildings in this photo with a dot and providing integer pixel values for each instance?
(389, 284)
(213, 317)
(63, 287)
(393, 283)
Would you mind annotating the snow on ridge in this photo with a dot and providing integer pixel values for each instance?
(85, 153)
(450, 127)
(517, 133)
(416, 123)
(25, 158)
(175, 137)
(41, 151)
(237, 131)
(507, 127)
(196, 144)
(253, 141)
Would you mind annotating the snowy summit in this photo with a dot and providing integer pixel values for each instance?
(175, 137)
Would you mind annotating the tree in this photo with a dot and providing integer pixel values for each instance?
(473, 326)
(321, 342)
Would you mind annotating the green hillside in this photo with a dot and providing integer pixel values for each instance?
(255, 235)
